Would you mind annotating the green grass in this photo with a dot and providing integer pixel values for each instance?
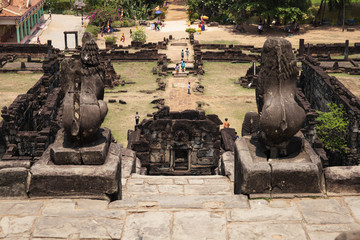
(121, 118)
(221, 42)
(342, 56)
(13, 84)
(224, 98)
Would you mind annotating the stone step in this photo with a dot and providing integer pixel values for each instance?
(187, 66)
(178, 44)
(180, 74)
(189, 202)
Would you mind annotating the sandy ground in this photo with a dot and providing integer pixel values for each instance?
(54, 29)
(176, 23)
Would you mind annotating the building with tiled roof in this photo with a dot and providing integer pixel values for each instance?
(19, 19)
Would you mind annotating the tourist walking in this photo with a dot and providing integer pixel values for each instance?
(49, 13)
(187, 54)
(182, 54)
(226, 123)
(182, 65)
(188, 88)
(260, 28)
(177, 68)
(137, 118)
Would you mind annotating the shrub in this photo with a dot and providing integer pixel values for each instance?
(331, 128)
(69, 12)
(139, 35)
(95, 30)
(191, 30)
(125, 23)
(111, 39)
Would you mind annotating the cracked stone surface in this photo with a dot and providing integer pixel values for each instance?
(179, 207)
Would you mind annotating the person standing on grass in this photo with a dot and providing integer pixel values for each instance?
(226, 123)
(182, 54)
(137, 118)
(187, 54)
(188, 88)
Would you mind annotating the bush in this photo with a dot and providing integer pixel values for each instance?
(332, 127)
(69, 12)
(95, 30)
(125, 23)
(139, 35)
(190, 30)
(111, 39)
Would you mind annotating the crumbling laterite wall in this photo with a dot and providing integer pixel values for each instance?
(320, 89)
(25, 50)
(125, 55)
(178, 143)
(333, 48)
(30, 123)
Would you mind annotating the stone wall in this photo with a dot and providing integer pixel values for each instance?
(30, 123)
(320, 89)
(125, 55)
(229, 55)
(178, 143)
(25, 50)
(339, 48)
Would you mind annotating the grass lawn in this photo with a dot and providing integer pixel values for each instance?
(121, 118)
(13, 84)
(223, 97)
(351, 82)
(221, 42)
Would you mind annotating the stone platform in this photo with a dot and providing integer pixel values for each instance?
(92, 181)
(186, 207)
(93, 153)
(260, 176)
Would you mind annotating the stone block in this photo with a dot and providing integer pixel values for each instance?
(254, 173)
(13, 182)
(92, 153)
(344, 179)
(324, 211)
(265, 230)
(209, 225)
(148, 225)
(95, 181)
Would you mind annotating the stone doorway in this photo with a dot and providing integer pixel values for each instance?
(181, 159)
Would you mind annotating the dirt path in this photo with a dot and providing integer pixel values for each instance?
(176, 94)
(176, 10)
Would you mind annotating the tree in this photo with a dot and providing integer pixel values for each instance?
(240, 10)
(339, 6)
(332, 127)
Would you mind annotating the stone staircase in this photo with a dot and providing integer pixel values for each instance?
(180, 74)
(200, 192)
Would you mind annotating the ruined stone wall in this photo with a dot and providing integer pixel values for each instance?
(30, 123)
(322, 48)
(229, 55)
(125, 55)
(178, 143)
(320, 89)
(25, 50)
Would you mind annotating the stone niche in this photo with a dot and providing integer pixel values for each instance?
(178, 143)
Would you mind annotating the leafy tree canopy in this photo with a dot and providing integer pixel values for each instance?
(240, 10)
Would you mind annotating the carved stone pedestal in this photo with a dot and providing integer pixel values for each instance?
(299, 174)
(74, 180)
(91, 153)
